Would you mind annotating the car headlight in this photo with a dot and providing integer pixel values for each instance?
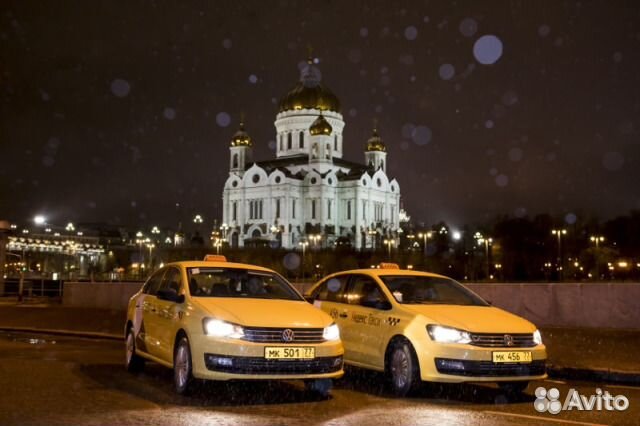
(537, 337)
(219, 328)
(331, 333)
(444, 334)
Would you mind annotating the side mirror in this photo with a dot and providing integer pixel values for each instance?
(309, 298)
(170, 295)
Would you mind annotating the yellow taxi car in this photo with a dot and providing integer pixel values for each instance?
(417, 326)
(222, 321)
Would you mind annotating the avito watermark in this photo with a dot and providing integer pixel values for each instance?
(549, 401)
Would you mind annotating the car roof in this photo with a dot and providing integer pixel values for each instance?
(217, 264)
(391, 271)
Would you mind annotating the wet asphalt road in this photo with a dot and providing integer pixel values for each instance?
(54, 380)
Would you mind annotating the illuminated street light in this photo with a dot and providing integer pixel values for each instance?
(39, 220)
(425, 237)
(597, 239)
(155, 230)
(304, 245)
(456, 235)
(487, 242)
(389, 243)
(197, 219)
(70, 227)
(559, 233)
(315, 239)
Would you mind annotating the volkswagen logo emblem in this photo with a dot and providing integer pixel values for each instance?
(508, 340)
(288, 335)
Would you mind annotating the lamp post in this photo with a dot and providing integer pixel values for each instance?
(4, 229)
(487, 242)
(372, 233)
(388, 243)
(304, 245)
(597, 239)
(315, 239)
(425, 238)
(559, 233)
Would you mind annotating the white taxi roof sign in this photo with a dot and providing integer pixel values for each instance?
(215, 258)
(389, 265)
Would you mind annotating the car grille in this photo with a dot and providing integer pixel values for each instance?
(260, 365)
(498, 340)
(274, 335)
(489, 369)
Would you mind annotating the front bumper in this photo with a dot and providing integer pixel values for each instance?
(456, 363)
(231, 359)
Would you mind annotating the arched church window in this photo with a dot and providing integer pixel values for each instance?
(235, 161)
(281, 143)
(382, 164)
(335, 142)
(314, 151)
(328, 152)
(301, 140)
(289, 141)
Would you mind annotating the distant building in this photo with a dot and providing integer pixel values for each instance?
(309, 189)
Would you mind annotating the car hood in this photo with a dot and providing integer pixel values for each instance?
(479, 319)
(264, 312)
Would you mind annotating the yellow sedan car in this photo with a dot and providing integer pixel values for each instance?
(223, 321)
(416, 326)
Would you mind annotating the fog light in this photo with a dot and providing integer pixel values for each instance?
(449, 364)
(221, 361)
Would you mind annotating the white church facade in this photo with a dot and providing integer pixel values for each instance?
(309, 193)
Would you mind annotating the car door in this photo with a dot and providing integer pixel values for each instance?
(367, 309)
(167, 315)
(144, 312)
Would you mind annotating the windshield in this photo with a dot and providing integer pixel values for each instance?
(239, 283)
(419, 289)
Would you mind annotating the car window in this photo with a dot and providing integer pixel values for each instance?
(172, 279)
(153, 283)
(332, 289)
(239, 283)
(421, 289)
(364, 291)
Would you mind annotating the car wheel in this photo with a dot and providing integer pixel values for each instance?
(320, 387)
(133, 362)
(182, 368)
(513, 388)
(402, 369)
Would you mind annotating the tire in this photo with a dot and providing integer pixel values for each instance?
(133, 362)
(183, 380)
(403, 372)
(513, 388)
(320, 387)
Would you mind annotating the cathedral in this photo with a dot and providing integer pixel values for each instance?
(309, 194)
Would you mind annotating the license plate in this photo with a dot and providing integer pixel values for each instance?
(289, 352)
(511, 356)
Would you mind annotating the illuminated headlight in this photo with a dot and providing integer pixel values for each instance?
(537, 337)
(331, 333)
(219, 328)
(443, 334)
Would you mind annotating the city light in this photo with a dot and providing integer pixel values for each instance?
(39, 220)
(197, 219)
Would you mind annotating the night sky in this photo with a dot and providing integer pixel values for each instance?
(123, 111)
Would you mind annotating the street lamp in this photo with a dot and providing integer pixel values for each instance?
(372, 233)
(304, 245)
(487, 242)
(39, 220)
(425, 237)
(197, 219)
(597, 239)
(224, 229)
(70, 227)
(388, 243)
(315, 239)
(559, 233)
(155, 230)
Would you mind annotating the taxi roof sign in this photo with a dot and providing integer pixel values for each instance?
(388, 265)
(215, 258)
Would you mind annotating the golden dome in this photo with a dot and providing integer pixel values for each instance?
(320, 126)
(375, 142)
(310, 93)
(241, 138)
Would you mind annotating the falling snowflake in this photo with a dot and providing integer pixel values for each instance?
(411, 33)
(487, 49)
(120, 87)
(446, 71)
(223, 119)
